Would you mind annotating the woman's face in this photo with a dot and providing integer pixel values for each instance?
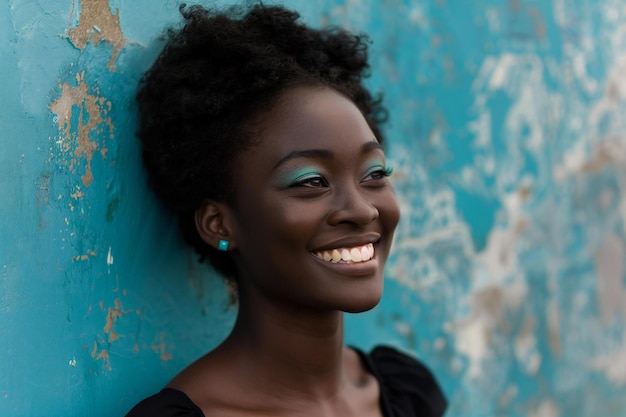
(313, 191)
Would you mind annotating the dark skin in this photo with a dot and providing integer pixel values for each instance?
(314, 182)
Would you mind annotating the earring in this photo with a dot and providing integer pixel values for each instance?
(223, 245)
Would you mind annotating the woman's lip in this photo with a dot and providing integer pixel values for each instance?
(350, 242)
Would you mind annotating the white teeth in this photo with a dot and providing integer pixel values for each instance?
(365, 253)
(347, 255)
(355, 254)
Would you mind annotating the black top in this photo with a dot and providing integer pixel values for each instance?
(407, 389)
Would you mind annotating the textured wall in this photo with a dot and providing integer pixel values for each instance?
(508, 138)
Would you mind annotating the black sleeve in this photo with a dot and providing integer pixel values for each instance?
(167, 403)
(409, 386)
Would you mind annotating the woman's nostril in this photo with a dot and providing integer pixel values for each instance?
(354, 209)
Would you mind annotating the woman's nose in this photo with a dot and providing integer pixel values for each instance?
(351, 205)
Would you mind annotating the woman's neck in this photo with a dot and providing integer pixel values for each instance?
(281, 361)
(297, 351)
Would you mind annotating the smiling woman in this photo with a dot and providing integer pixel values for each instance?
(259, 136)
(315, 182)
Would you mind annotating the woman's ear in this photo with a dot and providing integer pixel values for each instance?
(214, 225)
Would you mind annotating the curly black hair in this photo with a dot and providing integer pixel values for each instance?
(199, 100)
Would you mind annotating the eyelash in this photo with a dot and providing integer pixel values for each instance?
(381, 172)
(306, 181)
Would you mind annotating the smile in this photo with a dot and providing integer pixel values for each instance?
(347, 255)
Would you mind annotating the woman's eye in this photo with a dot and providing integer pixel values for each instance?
(311, 182)
(378, 174)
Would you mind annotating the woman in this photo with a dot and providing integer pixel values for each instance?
(259, 136)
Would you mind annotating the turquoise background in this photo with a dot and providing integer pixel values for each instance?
(508, 139)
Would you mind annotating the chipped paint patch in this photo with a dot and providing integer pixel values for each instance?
(97, 24)
(160, 347)
(84, 106)
(605, 154)
(102, 345)
(474, 334)
(508, 396)
(472, 337)
(525, 347)
(77, 194)
(90, 253)
(613, 365)
(554, 328)
(103, 355)
(112, 315)
(614, 92)
(609, 262)
(546, 408)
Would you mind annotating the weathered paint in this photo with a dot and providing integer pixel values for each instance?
(97, 23)
(80, 116)
(509, 146)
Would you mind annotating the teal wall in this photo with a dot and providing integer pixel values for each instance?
(508, 138)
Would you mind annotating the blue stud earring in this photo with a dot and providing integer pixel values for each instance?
(223, 245)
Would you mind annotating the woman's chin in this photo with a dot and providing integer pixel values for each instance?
(362, 304)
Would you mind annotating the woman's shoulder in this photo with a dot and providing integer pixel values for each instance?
(167, 403)
(407, 386)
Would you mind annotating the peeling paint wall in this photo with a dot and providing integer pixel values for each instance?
(509, 145)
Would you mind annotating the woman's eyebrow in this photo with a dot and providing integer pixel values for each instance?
(370, 146)
(324, 153)
(308, 153)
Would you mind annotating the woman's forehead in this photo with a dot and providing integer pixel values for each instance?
(313, 118)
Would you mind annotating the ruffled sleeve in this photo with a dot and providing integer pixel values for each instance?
(167, 403)
(408, 388)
